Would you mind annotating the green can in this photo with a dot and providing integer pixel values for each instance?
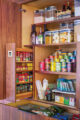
(58, 66)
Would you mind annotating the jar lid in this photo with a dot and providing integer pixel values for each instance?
(38, 11)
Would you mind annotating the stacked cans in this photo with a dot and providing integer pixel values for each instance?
(60, 62)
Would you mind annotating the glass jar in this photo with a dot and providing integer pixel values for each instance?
(48, 37)
(50, 13)
(66, 35)
(38, 16)
(55, 37)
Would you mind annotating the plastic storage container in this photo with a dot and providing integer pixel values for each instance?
(55, 37)
(38, 16)
(77, 7)
(50, 13)
(66, 35)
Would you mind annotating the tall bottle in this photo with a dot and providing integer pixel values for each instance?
(40, 37)
(64, 8)
(68, 6)
(45, 29)
(33, 35)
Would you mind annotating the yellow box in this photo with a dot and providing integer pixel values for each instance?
(62, 100)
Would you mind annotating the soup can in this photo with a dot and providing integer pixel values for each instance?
(47, 64)
(42, 66)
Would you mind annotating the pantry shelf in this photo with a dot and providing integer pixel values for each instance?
(24, 71)
(57, 73)
(24, 61)
(24, 50)
(69, 93)
(70, 19)
(57, 104)
(23, 83)
(58, 44)
(24, 95)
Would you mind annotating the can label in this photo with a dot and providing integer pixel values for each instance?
(42, 66)
(58, 67)
(53, 66)
(47, 64)
(68, 67)
(64, 67)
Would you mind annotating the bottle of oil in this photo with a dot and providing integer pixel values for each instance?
(33, 35)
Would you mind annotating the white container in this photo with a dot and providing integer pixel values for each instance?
(72, 102)
(77, 7)
(57, 98)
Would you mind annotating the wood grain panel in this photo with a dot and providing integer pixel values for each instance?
(27, 21)
(78, 77)
(10, 72)
(10, 31)
(0, 111)
(1, 54)
(22, 1)
(10, 113)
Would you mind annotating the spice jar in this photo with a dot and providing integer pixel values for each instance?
(50, 13)
(38, 16)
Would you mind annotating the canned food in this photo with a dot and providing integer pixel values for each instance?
(47, 64)
(58, 67)
(53, 66)
(51, 58)
(69, 67)
(42, 66)
(64, 67)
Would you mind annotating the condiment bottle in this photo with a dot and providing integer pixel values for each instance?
(64, 8)
(40, 37)
(68, 6)
(33, 35)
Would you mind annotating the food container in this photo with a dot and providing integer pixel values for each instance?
(53, 66)
(77, 7)
(38, 16)
(64, 67)
(66, 35)
(66, 26)
(57, 98)
(61, 99)
(48, 38)
(66, 100)
(42, 66)
(58, 67)
(55, 37)
(66, 14)
(47, 64)
(72, 102)
(50, 13)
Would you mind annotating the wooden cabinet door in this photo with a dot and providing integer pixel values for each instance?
(10, 72)
(22, 1)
